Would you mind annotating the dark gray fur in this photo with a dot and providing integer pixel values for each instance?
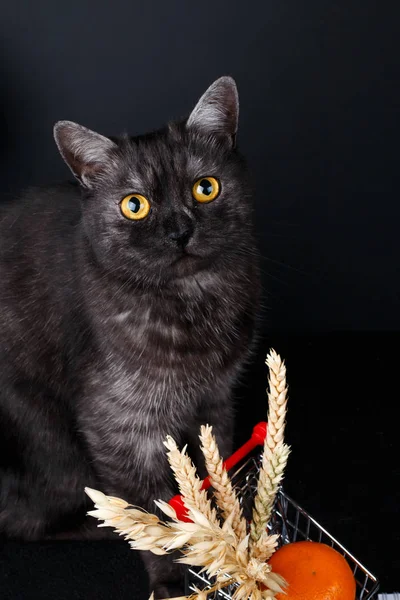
(111, 335)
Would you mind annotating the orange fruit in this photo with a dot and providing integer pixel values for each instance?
(314, 571)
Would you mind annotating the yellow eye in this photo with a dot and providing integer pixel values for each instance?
(135, 207)
(206, 189)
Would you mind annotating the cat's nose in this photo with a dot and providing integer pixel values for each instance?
(181, 236)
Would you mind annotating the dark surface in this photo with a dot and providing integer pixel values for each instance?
(319, 91)
(344, 469)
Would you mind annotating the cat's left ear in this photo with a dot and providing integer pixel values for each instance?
(217, 111)
(86, 152)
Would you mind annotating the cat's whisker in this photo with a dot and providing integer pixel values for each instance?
(246, 252)
(282, 264)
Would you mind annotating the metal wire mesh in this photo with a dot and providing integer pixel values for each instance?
(293, 523)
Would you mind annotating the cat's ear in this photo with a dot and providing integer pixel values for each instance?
(217, 111)
(86, 153)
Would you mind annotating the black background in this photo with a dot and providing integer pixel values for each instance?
(320, 99)
(320, 95)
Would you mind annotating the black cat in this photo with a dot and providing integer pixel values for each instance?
(127, 310)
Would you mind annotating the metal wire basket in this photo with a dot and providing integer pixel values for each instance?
(293, 523)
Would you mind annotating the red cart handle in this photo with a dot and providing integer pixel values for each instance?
(257, 439)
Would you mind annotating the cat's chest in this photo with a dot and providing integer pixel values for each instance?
(155, 383)
(155, 370)
(148, 398)
(187, 347)
(157, 360)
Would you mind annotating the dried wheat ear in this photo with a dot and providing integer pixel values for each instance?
(219, 543)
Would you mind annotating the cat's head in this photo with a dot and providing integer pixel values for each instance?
(170, 204)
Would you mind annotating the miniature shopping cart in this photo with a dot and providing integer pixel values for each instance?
(288, 520)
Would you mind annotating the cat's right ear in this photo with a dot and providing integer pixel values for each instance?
(217, 111)
(86, 153)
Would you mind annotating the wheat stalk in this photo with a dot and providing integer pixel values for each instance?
(265, 546)
(277, 403)
(268, 484)
(223, 549)
(133, 523)
(202, 542)
(188, 481)
(225, 495)
(274, 459)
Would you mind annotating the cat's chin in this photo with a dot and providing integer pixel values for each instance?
(189, 264)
